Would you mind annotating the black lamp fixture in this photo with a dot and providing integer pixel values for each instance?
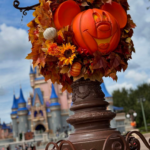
(16, 4)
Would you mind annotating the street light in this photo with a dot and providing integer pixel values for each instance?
(141, 100)
(132, 114)
(135, 114)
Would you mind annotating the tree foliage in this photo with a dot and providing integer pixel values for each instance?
(129, 99)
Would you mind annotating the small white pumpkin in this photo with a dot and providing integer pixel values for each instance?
(49, 33)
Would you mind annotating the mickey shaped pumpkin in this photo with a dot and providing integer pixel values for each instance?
(94, 29)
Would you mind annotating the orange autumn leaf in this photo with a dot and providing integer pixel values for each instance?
(113, 75)
(40, 60)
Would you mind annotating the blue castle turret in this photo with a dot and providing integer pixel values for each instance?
(31, 70)
(22, 114)
(55, 119)
(32, 76)
(105, 90)
(14, 116)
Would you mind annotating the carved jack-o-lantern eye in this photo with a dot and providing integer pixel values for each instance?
(95, 16)
(100, 17)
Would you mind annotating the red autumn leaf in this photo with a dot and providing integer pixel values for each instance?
(59, 40)
(50, 58)
(107, 71)
(130, 22)
(118, 50)
(83, 51)
(124, 65)
(114, 60)
(99, 61)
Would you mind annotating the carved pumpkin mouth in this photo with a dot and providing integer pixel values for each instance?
(103, 44)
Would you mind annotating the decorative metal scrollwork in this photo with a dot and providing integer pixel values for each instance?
(134, 144)
(16, 4)
(116, 145)
(127, 142)
(59, 145)
(137, 144)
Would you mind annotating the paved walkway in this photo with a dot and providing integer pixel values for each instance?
(143, 147)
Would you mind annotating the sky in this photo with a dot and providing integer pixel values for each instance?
(14, 47)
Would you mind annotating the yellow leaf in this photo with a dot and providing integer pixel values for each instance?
(84, 4)
(44, 49)
(128, 40)
(65, 69)
(127, 31)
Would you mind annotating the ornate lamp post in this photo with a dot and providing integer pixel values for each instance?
(141, 100)
(132, 114)
(77, 53)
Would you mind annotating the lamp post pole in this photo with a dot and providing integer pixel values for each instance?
(142, 107)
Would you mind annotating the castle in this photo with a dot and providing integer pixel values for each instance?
(47, 107)
(46, 110)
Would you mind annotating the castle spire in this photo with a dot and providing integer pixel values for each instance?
(54, 98)
(21, 98)
(53, 93)
(31, 70)
(14, 106)
(105, 90)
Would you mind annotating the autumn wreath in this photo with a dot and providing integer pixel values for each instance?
(81, 38)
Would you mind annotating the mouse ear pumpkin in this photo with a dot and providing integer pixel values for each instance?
(65, 13)
(117, 11)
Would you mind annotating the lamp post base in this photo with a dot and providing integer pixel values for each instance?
(91, 121)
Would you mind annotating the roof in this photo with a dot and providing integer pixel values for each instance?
(39, 78)
(21, 98)
(31, 70)
(22, 109)
(37, 92)
(54, 104)
(53, 93)
(15, 103)
(118, 108)
(105, 90)
(4, 126)
(14, 113)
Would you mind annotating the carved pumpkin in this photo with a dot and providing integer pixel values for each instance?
(94, 29)
(75, 69)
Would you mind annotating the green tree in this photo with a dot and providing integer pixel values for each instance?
(129, 100)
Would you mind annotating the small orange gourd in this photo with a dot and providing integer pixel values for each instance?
(133, 124)
(75, 69)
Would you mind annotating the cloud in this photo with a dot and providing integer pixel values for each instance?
(119, 86)
(136, 76)
(14, 72)
(2, 91)
(133, 65)
(148, 80)
(13, 42)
